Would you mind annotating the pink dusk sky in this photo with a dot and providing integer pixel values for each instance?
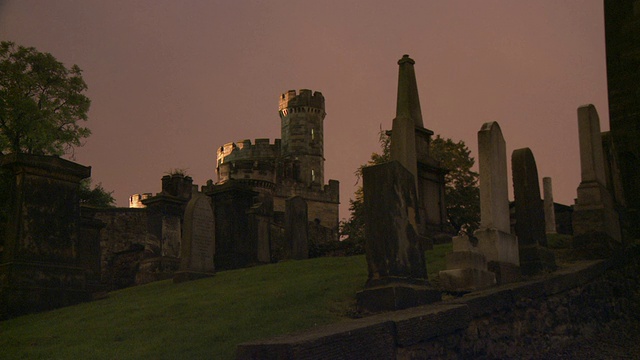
(171, 81)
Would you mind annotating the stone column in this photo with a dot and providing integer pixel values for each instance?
(530, 228)
(296, 227)
(395, 257)
(40, 267)
(549, 210)
(596, 224)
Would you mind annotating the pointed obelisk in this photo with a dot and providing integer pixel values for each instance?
(408, 117)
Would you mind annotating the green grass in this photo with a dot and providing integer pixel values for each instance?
(200, 319)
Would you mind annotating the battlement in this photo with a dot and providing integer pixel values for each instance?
(244, 149)
(305, 100)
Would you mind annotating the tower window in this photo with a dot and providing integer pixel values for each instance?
(313, 135)
(313, 175)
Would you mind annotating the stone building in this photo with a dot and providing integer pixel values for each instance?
(290, 166)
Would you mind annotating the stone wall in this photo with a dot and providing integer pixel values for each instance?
(122, 242)
(522, 320)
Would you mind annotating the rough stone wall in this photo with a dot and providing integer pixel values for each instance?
(122, 241)
(525, 320)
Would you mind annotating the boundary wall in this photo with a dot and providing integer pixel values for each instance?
(523, 320)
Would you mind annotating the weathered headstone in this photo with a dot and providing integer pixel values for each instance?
(495, 248)
(596, 224)
(296, 227)
(39, 264)
(260, 216)
(198, 240)
(549, 210)
(395, 257)
(530, 228)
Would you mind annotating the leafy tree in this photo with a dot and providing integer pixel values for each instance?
(41, 103)
(97, 197)
(462, 195)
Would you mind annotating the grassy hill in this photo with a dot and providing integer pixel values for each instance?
(200, 319)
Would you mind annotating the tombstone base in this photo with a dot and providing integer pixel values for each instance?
(183, 276)
(156, 269)
(505, 272)
(536, 259)
(497, 245)
(396, 297)
(466, 279)
(33, 287)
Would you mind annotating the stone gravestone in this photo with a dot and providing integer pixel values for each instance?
(395, 257)
(198, 240)
(260, 216)
(596, 225)
(530, 228)
(468, 264)
(549, 210)
(39, 264)
(296, 227)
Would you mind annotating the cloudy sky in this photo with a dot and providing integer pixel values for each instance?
(170, 81)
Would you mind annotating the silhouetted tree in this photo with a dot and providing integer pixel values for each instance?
(41, 103)
(462, 195)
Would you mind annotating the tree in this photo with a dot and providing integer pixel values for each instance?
(462, 195)
(96, 197)
(41, 103)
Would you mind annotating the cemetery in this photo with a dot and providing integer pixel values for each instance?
(534, 277)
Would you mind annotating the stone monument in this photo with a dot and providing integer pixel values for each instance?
(535, 257)
(596, 225)
(549, 209)
(494, 248)
(296, 227)
(395, 257)
(198, 240)
(39, 264)
(410, 142)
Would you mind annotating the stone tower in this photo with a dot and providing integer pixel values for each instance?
(302, 147)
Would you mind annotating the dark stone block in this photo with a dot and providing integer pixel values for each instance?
(396, 297)
(536, 259)
(505, 272)
(485, 302)
(421, 324)
(359, 339)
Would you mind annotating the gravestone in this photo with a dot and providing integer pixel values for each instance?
(395, 257)
(198, 240)
(596, 225)
(39, 264)
(260, 216)
(296, 227)
(494, 248)
(529, 227)
(549, 210)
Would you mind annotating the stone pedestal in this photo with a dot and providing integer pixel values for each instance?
(296, 227)
(39, 264)
(466, 267)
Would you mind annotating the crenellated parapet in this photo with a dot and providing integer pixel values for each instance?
(304, 102)
(255, 163)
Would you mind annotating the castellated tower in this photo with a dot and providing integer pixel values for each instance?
(302, 148)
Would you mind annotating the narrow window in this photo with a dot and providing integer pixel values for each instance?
(313, 135)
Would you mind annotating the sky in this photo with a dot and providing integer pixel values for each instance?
(171, 81)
